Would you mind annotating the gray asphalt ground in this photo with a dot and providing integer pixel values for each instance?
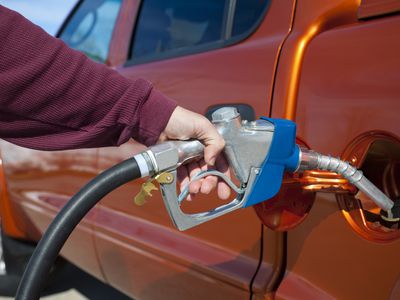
(74, 284)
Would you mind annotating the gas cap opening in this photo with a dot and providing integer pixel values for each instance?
(377, 154)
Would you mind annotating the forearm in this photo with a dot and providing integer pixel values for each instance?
(52, 97)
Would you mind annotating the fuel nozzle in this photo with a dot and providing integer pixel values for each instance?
(311, 160)
(259, 153)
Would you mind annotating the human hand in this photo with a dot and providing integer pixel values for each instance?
(183, 125)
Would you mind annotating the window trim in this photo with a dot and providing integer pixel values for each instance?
(230, 19)
(228, 40)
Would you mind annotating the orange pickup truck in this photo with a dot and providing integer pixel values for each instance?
(331, 66)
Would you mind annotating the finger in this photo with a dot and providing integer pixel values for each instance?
(190, 197)
(209, 182)
(213, 141)
(223, 189)
(211, 152)
(183, 178)
(195, 186)
(202, 164)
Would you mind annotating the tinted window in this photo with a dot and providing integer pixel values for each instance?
(247, 12)
(90, 28)
(166, 25)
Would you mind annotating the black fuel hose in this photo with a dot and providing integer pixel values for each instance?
(64, 223)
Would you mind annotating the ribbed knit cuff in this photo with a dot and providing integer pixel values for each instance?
(154, 116)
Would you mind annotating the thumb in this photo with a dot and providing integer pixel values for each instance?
(210, 154)
(212, 140)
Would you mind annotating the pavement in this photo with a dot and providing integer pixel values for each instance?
(75, 284)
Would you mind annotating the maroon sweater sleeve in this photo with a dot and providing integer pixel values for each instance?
(55, 98)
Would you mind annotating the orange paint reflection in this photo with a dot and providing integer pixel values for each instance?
(291, 102)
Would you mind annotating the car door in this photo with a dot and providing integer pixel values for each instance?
(202, 54)
(347, 106)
